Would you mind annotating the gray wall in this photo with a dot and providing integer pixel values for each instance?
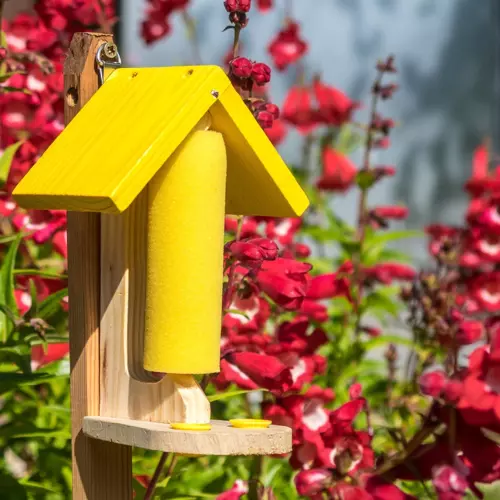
(446, 53)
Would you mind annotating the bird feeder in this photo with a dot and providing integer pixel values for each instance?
(147, 167)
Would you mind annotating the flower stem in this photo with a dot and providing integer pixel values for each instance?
(192, 34)
(362, 203)
(156, 476)
(236, 41)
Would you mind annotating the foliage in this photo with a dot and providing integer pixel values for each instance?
(311, 305)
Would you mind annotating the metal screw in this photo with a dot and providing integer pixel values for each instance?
(215, 93)
(110, 50)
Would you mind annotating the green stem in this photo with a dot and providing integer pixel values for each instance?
(236, 42)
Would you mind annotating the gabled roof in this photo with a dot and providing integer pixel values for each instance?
(136, 120)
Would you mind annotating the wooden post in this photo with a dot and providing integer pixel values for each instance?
(101, 470)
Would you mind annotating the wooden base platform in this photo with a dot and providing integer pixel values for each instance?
(222, 439)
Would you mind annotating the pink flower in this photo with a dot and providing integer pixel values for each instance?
(338, 172)
(54, 352)
(287, 47)
(432, 383)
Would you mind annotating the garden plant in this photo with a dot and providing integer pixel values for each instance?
(311, 305)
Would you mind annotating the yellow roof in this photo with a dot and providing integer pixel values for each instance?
(125, 133)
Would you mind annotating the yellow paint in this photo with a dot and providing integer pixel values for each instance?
(135, 122)
(250, 423)
(183, 426)
(185, 249)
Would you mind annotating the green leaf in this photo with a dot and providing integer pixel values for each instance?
(39, 272)
(379, 301)
(7, 285)
(3, 39)
(383, 340)
(5, 76)
(387, 236)
(231, 394)
(52, 304)
(6, 159)
(11, 489)
(11, 381)
(7, 89)
(347, 141)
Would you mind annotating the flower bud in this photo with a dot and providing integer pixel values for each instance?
(265, 119)
(241, 67)
(261, 73)
(237, 5)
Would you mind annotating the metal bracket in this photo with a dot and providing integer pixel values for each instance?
(107, 55)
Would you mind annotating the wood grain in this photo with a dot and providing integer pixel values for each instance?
(101, 471)
(127, 390)
(222, 439)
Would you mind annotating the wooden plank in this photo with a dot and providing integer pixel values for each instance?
(138, 119)
(127, 390)
(101, 471)
(222, 439)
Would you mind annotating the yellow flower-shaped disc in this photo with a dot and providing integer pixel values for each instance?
(183, 426)
(250, 423)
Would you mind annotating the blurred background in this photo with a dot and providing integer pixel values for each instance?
(447, 52)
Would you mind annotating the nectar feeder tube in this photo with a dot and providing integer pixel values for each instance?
(186, 208)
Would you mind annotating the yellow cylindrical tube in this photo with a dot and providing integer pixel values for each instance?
(186, 201)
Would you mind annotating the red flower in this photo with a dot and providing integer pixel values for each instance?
(251, 252)
(469, 331)
(328, 285)
(287, 47)
(276, 132)
(285, 281)
(54, 352)
(241, 67)
(338, 173)
(261, 74)
(264, 5)
(432, 383)
(297, 110)
(264, 371)
(390, 212)
(388, 271)
(335, 108)
(312, 481)
(449, 483)
(237, 5)
(238, 489)
(264, 118)
(485, 289)
(382, 490)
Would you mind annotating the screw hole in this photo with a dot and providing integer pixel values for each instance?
(72, 97)
(134, 74)
(189, 73)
